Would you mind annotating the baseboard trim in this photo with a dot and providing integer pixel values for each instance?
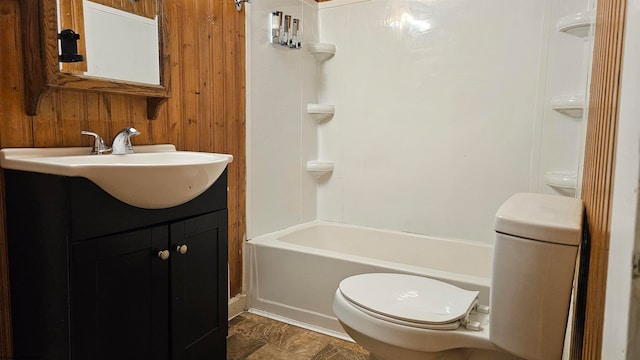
(237, 305)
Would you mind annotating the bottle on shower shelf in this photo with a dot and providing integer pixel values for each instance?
(294, 41)
(276, 24)
(284, 32)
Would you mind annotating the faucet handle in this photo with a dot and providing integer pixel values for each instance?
(99, 146)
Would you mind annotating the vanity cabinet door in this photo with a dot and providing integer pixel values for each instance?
(119, 297)
(199, 287)
(87, 282)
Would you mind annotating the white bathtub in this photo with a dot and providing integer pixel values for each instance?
(295, 272)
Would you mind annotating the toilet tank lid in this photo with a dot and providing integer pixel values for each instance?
(549, 218)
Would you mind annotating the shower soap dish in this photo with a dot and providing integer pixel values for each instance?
(571, 105)
(561, 179)
(321, 112)
(321, 51)
(319, 168)
(578, 24)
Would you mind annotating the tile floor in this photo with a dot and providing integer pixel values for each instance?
(254, 337)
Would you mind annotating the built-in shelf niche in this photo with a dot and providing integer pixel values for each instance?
(571, 105)
(321, 51)
(321, 112)
(320, 168)
(578, 24)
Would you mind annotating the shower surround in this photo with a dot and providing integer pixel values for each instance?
(442, 112)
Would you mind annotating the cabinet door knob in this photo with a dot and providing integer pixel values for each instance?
(182, 249)
(163, 254)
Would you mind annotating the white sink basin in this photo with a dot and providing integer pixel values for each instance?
(155, 177)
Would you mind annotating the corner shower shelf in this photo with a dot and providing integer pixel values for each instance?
(578, 24)
(319, 168)
(561, 179)
(321, 112)
(571, 105)
(322, 52)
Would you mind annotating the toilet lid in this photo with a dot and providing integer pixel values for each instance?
(409, 298)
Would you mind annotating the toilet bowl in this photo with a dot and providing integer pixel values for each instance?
(393, 324)
(407, 317)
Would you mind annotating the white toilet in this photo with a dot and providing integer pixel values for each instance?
(406, 317)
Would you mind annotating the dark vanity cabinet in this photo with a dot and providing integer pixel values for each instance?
(90, 276)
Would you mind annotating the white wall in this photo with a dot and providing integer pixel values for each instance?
(625, 216)
(438, 111)
(281, 137)
(442, 112)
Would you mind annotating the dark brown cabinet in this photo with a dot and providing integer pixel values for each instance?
(90, 276)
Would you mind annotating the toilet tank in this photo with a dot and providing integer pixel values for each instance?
(534, 259)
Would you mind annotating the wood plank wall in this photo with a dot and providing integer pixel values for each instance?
(71, 16)
(146, 8)
(599, 164)
(206, 111)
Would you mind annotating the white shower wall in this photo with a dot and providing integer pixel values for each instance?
(280, 82)
(441, 113)
(568, 65)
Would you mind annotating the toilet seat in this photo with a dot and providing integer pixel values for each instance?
(409, 300)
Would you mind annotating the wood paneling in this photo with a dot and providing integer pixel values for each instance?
(599, 165)
(71, 16)
(205, 111)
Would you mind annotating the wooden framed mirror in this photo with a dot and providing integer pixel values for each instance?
(43, 71)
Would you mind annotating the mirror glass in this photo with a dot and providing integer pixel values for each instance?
(119, 39)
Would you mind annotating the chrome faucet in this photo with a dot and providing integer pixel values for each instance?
(99, 146)
(122, 141)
